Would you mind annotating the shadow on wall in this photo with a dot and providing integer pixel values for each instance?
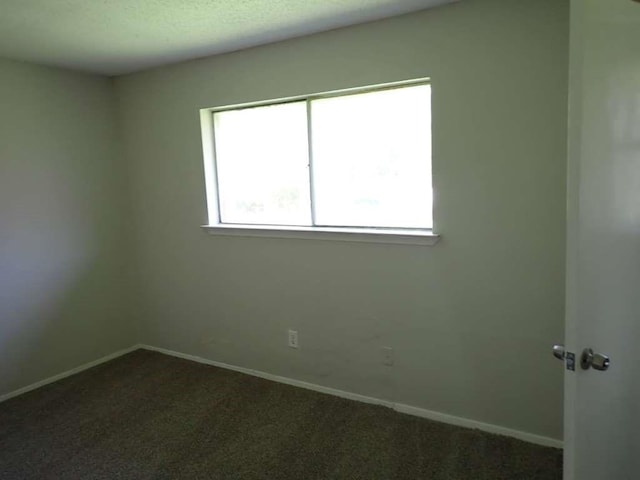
(59, 299)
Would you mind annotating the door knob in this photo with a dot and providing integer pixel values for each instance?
(593, 360)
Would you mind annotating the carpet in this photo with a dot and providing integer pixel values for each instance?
(151, 416)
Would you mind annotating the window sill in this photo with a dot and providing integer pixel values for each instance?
(365, 235)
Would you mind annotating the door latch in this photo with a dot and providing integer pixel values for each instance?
(568, 357)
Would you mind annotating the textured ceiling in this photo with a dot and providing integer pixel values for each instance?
(120, 36)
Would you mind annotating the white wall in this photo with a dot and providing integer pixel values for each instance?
(472, 319)
(62, 224)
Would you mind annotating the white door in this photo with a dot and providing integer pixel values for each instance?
(602, 408)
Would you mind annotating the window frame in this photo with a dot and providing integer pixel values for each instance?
(411, 236)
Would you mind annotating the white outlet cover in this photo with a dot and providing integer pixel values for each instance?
(388, 359)
(293, 338)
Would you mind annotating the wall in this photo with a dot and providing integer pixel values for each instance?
(472, 319)
(62, 214)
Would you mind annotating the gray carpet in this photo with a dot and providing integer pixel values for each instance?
(151, 416)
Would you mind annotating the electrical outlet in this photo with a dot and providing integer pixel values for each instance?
(387, 356)
(293, 338)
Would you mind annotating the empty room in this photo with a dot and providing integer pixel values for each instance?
(287, 239)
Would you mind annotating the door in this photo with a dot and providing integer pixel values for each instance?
(602, 408)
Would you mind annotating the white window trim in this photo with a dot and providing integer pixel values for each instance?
(425, 237)
(339, 234)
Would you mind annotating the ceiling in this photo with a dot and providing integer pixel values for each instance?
(114, 37)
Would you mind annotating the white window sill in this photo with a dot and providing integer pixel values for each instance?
(366, 235)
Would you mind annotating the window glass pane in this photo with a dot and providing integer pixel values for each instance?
(372, 159)
(262, 165)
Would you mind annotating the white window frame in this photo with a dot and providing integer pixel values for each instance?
(214, 226)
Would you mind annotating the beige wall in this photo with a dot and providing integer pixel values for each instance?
(471, 319)
(62, 205)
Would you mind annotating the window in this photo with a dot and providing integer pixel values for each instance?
(343, 162)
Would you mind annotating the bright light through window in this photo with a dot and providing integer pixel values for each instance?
(262, 164)
(337, 160)
(372, 159)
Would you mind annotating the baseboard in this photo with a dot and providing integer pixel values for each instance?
(68, 373)
(275, 378)
(401, 408)
(485, 427)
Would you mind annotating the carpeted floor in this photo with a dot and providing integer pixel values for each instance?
(151, 416)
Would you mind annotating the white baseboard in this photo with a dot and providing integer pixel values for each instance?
(68, 373)
(485, 427)
(408, 409)
(275, 378)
